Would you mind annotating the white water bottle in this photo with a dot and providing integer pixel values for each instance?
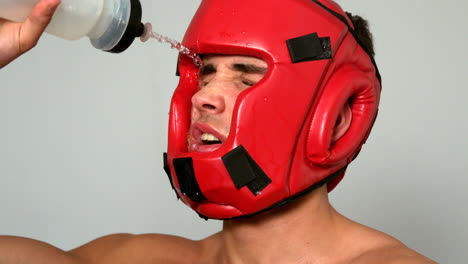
(111, 25)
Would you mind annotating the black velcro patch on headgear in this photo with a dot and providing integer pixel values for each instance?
(187, 181)
(168, 172)
(177, 73)
(309, 48)
(244, 171)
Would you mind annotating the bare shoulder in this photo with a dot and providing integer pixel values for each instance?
(392, 254)
(147, 248)
(377, 247)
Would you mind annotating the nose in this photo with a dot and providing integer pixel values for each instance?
(209, 99)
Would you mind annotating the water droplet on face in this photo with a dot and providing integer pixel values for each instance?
(149, 33)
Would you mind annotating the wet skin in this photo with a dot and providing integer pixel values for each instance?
(222, 79)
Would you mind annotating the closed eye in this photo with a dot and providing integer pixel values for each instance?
(248, 83)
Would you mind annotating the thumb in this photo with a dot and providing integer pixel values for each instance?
(36, 23)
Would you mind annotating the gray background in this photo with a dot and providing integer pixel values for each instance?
(82, 134)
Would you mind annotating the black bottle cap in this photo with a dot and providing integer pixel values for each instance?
(134, 28)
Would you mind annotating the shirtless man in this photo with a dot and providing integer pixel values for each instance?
(228, 167)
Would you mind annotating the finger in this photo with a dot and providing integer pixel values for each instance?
(36, 23)
(3, 21)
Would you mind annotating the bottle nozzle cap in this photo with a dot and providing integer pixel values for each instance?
(134, 28)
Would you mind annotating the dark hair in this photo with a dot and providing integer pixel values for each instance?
(361, 26)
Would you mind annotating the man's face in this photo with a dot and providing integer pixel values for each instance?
(222, 79)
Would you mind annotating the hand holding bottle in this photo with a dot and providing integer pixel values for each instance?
(18, 38)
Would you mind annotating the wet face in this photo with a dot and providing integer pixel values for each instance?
(222, 79)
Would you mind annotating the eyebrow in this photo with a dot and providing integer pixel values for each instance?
(244, 68)
(207, 69)
(248, 68)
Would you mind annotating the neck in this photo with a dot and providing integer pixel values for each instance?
(300, 232)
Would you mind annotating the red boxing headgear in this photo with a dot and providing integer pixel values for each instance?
(279, 146)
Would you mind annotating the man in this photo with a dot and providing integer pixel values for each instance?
(259, 133)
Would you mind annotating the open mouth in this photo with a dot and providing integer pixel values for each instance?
(205, 138)
(209, 139)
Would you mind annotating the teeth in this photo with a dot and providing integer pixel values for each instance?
(209, 137)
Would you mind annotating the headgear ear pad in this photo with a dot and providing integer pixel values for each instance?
(348, 86)
(279, 146)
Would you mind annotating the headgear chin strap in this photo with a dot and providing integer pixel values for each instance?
(316, 65)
